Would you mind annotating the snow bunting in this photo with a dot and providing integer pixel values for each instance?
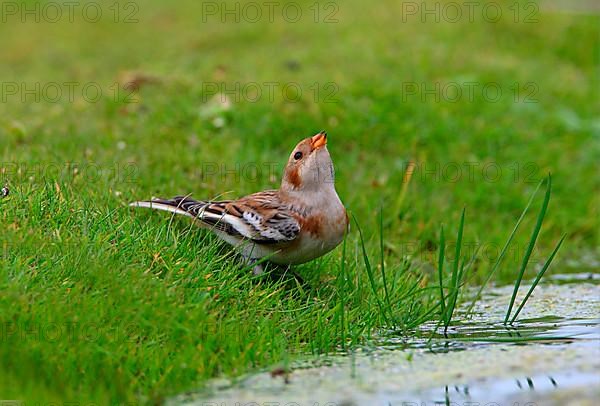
(302, 220)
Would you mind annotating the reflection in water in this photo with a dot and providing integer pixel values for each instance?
(461, 393)
(551, 354)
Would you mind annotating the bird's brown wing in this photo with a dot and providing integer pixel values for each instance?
(271, 218)
(261, 217)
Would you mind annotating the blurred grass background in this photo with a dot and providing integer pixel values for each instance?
(72, 251)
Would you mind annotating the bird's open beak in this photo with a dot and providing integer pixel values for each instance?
(319, 140)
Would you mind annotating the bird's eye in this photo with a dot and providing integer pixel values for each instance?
(298, 155)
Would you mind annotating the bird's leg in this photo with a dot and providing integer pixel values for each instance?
(275, 271)
(258, 269)
(283, 270)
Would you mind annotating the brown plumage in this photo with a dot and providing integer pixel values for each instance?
(302, 220)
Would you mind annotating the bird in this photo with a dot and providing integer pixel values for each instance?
(302, 220)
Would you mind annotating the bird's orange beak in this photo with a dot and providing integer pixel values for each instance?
(319, 140)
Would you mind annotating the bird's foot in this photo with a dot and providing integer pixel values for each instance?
(258, 269)
(274, 271)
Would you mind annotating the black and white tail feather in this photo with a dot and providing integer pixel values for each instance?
(176, 205)
(203, 212)
(261, 219)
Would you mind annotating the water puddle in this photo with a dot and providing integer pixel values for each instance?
(550, 357)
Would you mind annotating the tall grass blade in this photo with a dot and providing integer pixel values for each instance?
(385, 288)
(370, 273)
(441, 271)
(532, 241)
(458, 248)
(538, 277)
(456, 274)
(505, 248)
(456, 289)
(342, 293)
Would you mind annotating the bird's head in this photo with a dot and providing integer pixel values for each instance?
(309, 167)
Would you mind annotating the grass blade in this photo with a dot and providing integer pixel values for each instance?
(385, 288)
(455, 278)
(370, 272)
(441, 271)
(532, 241)
(457, 249)
(538, 277)
(505, 248)
(454, 297)
(342, 293)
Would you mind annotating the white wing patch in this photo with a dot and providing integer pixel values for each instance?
(278, 228)
(241, 226)
(253, 219)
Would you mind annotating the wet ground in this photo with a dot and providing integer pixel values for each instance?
(551, 356)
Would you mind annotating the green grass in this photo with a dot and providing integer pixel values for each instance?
(149, 307)
(449, 293)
